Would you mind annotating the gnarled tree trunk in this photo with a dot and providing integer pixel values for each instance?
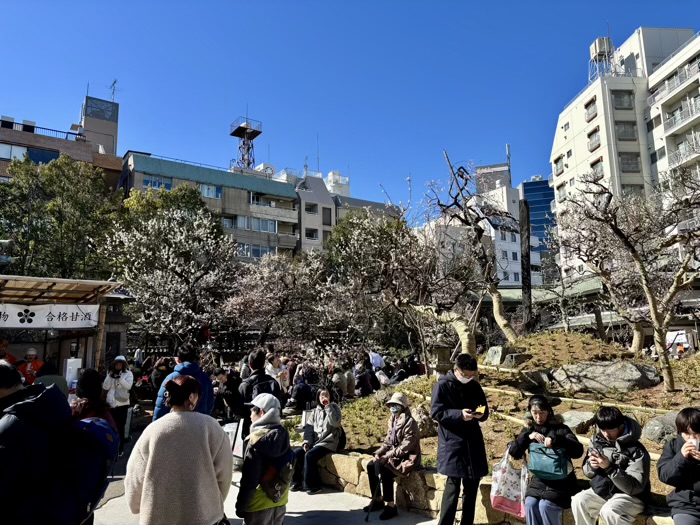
(499, 315)
(638, 339)
(660, 345)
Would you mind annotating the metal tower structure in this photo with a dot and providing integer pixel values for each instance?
(246, 130)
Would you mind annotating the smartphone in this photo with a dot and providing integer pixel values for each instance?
(695, 443)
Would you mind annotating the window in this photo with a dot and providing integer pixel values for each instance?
(157, 182)
(513, 237)
(506, 277)
(259, 200)
(210, 191)
(568, 154)
(41, 156)
(579, 268)
(327, 217)
(503, 235)
(650, 126)
(623, 99)
(326, 235)
(572, 183)
(661, 152)
(311, 234)
(629, 162)
(591, 110)
(597, 167)
(311, 209)
(559, 165)
(504, 255)
(515, 256)
(594, 139)
(535, 269)
(227, 222)
(242, 222)
(243, 249)
(566, 126)
(9, 152)
(561, 192)
(516, 277)
(653, 158)
(626, 130)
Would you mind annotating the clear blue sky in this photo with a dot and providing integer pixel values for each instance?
(386, 85)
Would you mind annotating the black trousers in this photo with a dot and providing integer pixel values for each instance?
(120, 414)
(306, 466)
(376, 472)
(450, 498)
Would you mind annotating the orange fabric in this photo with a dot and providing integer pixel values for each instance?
(29, 378)
(9, 358)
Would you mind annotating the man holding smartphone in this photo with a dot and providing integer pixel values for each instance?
(618, 466)
(459, 406)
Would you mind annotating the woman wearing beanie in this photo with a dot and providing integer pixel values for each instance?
(180, 470)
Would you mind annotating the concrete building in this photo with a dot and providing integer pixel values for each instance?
(258, 208)
(94, 140)
(616, 128)
(488, 178)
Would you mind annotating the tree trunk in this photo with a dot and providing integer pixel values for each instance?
(469, 344)
(500, 316)
(660, 345)
(599, 324)
(638, 339)
(564, 316)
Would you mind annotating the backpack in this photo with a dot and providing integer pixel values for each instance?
(278, 477)
(89, 448)
(266, 387)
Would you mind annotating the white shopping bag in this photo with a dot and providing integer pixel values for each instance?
(509, 487)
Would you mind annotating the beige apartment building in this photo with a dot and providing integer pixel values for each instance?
(93, 140)
(615, 126)
(257, 209)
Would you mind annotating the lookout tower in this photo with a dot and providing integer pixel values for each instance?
(246, 130)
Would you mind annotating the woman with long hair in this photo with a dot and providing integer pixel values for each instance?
(180, 470)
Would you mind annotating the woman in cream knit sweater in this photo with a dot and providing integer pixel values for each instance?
(179, 472)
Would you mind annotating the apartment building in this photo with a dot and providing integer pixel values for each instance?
(93, 140)
(492, 176)
(258, 209)
(615, 127)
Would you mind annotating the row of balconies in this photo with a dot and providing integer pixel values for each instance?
(683, 77)
(684, 116)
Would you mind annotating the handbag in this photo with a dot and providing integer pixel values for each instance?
(508, 487)
(548, 463)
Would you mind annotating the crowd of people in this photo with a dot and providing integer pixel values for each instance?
(162, 488)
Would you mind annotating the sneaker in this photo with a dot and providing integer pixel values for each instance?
(374, 506)
(388, 513)
(296, 487)
(314, 491)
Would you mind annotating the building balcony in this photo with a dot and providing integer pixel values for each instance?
(630, 166)
(685, 154)
(626, 135)
(684, 119)
(672, 86)
(275, 213)
(287, 240)
(553, 206)
(594, 143)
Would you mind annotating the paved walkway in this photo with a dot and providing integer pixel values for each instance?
(327, 508)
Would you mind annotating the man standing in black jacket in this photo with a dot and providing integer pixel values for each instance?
(459, 405)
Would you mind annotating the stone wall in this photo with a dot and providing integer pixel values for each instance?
(421, 492)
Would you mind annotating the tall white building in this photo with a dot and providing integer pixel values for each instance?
(617, 127)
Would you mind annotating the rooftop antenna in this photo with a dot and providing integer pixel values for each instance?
(113, 88)
(87, 91)
(246, 130)
(306, 165)
(508, 155)
(318, 155)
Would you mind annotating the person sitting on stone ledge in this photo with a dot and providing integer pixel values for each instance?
(546, 499)
(618, 466)
(398, 456)
(322, 435)
(679, 467)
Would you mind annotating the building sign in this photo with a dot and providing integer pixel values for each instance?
(49, 316)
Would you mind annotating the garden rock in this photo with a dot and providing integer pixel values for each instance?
(605, 377)
(578, 422)
(661, 429)
(514, 360)
(496, 355)
(426, 425)
(344, 467)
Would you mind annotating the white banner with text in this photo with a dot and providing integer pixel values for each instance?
(49, 316)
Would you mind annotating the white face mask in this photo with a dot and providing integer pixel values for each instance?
(395, 409)
(465, 380)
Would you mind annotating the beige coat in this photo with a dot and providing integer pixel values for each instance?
(180, 470)
(402, 449)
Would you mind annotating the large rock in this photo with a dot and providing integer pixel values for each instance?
(426, 426)
(496, 355)
(661, 429)
(577, 421)
(515, 360)
(346, 467)
(434, 480)
(605, 377)
(416, 491)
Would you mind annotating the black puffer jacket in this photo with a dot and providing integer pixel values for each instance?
(683, 474)
(461, 448)
(558, 491)
(630, 465)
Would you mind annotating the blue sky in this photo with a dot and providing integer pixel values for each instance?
(386, 85)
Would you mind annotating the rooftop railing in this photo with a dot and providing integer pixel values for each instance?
(46, 132)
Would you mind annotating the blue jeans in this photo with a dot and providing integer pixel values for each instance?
(306, 466)
(542, 512)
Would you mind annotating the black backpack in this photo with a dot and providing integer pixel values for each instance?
(266, 387)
